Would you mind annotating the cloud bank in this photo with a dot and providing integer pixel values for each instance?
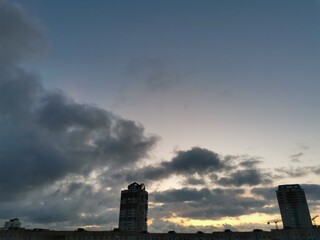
(46, 138)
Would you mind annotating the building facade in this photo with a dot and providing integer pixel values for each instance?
(134, 208)
(293, 206)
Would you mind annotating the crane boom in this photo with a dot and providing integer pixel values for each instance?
(275, 222)
(314, 220)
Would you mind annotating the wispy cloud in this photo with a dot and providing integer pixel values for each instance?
(296, 157)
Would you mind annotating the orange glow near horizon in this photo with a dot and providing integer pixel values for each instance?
(150, 221)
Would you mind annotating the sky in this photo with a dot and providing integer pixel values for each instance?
(211, 104)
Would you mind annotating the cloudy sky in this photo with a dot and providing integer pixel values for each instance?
(211, 104)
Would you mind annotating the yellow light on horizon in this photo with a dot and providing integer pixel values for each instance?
(254, 218)
(90, 226)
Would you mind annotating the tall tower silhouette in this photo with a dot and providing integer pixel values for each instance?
(134, 208)
(293, 206)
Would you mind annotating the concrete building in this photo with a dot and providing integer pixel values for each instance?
(293, 207)
(134, 208)
(13, 223)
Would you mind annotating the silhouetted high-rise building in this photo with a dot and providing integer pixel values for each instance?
(293, 207)
(134, 208)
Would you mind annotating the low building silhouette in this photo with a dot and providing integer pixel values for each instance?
(13, 223)
(280, 234)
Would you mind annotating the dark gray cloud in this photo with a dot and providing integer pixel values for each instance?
(18, 93)
(293, 172)
(50, 144)
(44, 135)
(64, 205)
(203, 167)
(197, 160)
(194, 161)
(126, 143)
(194, 181)
(249, 177)
(312, 191)
(316, 170)
(207, 203)
(58, 113)
(250, 162)
(268, 193)
(198, 163)
(72, 207)
(42, 145)
(182, 195)
(21, 35)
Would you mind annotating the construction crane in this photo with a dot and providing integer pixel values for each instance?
(314, 220)
(275, 222)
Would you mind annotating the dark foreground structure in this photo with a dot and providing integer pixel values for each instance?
(283, 234)
(293, 206)
(134, 208)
